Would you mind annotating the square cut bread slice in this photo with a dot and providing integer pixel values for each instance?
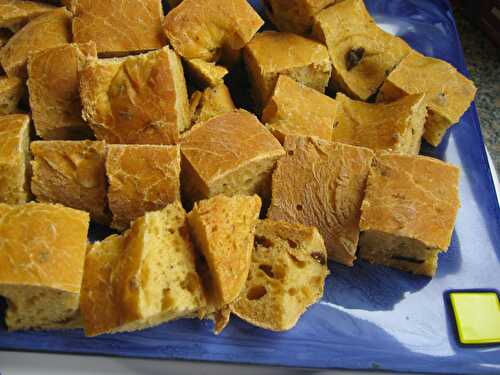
(362, 53)
(48, 30)
(143, 278)
(205, 74)
(12, 89)
(53, 84)
(42, 254)
(213, 101)
(223, 230)
(14, 14)
(322, 184)
(409, 211)
(287, 275)
(394, 127)
(71, 173)
(229, 154)
(271, 53)
(295, 109)
(448, 92)
(295, 16)
(118, 27)
(14, 159)
(141, 178)
(204, 29)
(139, 99)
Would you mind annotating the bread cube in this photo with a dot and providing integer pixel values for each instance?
(295, 16)
(143, 278)
(271, 53)
(54, 96)
(229, 154)
(362, 53)
(322, 184)
(42, 254)
(51, 29)
(408, 212)
(392, 127)
(71, 173)
(141, 178)
(448, 92)
(213, 101)
(118, 27)
(136, 99)
(205, 74)
(295, 109)
(12, 89)
(287, 275)
(223, 230)
(14, 156)
(14, 14)
(204, 29)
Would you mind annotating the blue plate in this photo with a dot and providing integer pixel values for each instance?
(370, 317)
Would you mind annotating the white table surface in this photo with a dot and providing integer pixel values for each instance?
(20, 363)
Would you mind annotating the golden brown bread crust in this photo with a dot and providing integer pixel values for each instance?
(16, 13)
(205, 74)
(45, 246)
(362, 53)
(223, 229)
(213, 101)
(232, 154)
(118, 26)
(141, 178)
(71, 173)
(14, 156)
(12, 89)
(295, 16)
(448, 92)
(287, 275)
(271, 53)
(200, 30)
(51, 29)
(54, 96)
(392, 127)
(322, 184)
(136, 99)
(295, 109)
(412, 196)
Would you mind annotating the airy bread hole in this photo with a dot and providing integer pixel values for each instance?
(299, 207)
(292, 244)
(268, 270)
(263, 241)
(279, 271)
(256, 292)
(298, 262)
(292, 291)
(319, 257)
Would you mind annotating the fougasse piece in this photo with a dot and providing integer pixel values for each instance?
(141, 178)
(51, 29)
(136, 99)
(395, 127)
(213, 101)
(42, 254)
(408, 212)
(118, 27)
(14, 14)
(322, 184)
(14, 156)
(53, 84)
(272, 53)
(295, 109)
(71, 173)
(448, 92)
(229, 154)
(362, 53)
(12, 90)
(143, 278)
(205, 74)
(287, 274)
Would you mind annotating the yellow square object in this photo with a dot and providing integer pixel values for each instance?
(477, 315)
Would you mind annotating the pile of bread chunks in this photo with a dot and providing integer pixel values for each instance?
(115, 112)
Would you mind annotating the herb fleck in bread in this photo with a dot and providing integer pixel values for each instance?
(71, 173)
(42, 253)
(322, 184)
(287, 275)
(143, 278)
